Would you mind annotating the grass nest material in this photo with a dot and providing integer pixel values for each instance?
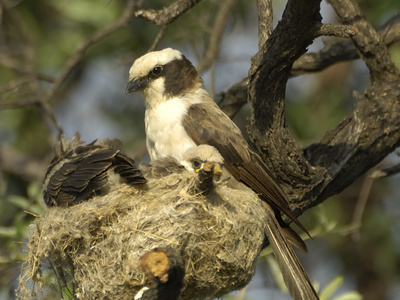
(92, 250)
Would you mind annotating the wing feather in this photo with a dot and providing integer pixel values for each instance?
(205, 123)
(295, 277)
(82, 171)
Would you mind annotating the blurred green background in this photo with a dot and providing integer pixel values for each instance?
(353, 249)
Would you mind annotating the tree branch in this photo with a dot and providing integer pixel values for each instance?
(81, 50)
(268, 75)
(217, 32)
(372, 130)
(368, 42)
(167, 15)
(363, 139)
(234, 98)
(343, 31)
(265, 21)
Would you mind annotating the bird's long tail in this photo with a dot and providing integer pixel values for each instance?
(294, 275)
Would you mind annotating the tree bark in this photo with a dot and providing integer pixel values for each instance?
(369, 133)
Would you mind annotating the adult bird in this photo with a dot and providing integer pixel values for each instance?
(79, 171)
(180, 114)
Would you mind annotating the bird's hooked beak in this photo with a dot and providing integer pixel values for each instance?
(136, 85)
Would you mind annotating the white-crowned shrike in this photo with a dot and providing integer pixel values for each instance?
(180, 114)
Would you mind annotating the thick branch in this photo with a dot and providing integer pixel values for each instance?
(235, 97)
(362, 140)
(270, 71)
(372, 130)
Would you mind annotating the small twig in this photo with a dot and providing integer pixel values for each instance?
(217, 33)
(390, 31)
(52, 117)
(11, 64)
(265, 21)
(344, 31)
(20, 103)
(159, 37)
(81, 50)
(234, 98)
(386, 172)
(167, 15)
(12, 86)
(361, 204)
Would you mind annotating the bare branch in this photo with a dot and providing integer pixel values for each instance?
(344, 31)
(372, 129)
(159, 37)
(386, 172)
(80, 52)
(267, 84)
(360, 205)
(167, 15)
(17, 164)
(368, 42)
(20, 103)
(235, 97)
(217, 32)
(265, 21)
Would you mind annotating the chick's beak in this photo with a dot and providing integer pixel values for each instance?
(217, 171)
(136, 85)
(215, 168)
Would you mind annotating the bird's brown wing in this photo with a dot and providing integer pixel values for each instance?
(82, 172)
(205, 123)
(295, 277)
(78, 178)
(125, 167)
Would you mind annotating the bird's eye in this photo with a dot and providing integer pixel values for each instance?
(196, 164)
(157, 71)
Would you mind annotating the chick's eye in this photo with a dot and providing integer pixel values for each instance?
(157, 71)
(196, 164)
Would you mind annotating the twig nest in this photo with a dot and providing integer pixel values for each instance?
(96, 246)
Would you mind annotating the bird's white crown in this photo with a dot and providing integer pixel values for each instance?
(142, 66)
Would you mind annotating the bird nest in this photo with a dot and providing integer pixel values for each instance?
(96, 246)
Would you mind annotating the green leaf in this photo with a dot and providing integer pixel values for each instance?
(8, 232)
(19, 201)
(276, 273)
(331, 288)
(33, 189)
(349, 296)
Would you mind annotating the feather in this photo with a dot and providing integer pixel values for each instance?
(295, 277)
(77, 171)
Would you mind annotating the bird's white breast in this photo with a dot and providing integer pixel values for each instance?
(165, 134)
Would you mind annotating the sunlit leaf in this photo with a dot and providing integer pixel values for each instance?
(8, 232)
(331, 288)
(349, 296)
(276, 273)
